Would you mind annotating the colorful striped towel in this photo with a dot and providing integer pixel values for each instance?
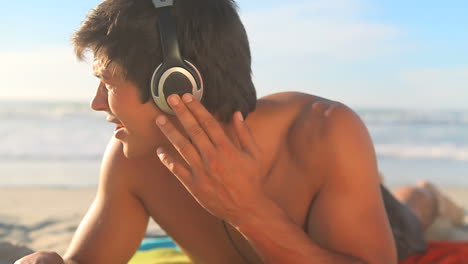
(164, 251)
(442, 252)
(161, 250)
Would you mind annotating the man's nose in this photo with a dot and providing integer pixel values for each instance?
(99, 102)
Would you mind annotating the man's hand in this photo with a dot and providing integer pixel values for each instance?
(225, 179)
(41, 258)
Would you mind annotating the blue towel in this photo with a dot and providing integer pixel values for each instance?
(159, 242)
(161, 250)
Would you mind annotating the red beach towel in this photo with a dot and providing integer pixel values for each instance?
(442, 252)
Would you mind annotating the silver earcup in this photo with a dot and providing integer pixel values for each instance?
(157, 86)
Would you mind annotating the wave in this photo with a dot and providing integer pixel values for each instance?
(49, 157)
(57, 110)
(82, 134)
(79, 151)
(26, 110)
(415, 117)
(399, 151)
(445, 151)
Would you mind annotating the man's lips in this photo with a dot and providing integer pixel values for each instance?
(115, 121)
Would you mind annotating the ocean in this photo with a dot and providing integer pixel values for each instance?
(61, 144)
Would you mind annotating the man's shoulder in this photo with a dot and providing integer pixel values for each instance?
(319, 125)
(308, 117)
(116, 169)
(115, 160)
(307, 107)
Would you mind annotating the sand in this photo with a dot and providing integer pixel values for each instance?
(45, 219)
(42, 219)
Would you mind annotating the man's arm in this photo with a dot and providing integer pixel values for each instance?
(347, 222)
(114, 225)
(116, 222)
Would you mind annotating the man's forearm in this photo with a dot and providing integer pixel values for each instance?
(278, 240)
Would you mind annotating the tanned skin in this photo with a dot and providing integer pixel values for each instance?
(302, 185)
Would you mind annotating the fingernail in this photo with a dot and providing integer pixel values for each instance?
(174, 99)
(240, 116)
(159, 151)
(161, 120)
(187, 98)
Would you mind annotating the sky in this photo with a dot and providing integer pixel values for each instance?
(364, 53)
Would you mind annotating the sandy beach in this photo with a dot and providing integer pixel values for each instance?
(45, 219)
(42, 219)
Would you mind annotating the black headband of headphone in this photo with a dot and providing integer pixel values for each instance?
(168, 32)
(175, 75)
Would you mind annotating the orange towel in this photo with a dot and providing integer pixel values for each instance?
(442, 252)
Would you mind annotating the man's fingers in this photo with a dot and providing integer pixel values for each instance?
(180, 171)
(196, 132)
(207, 121)
(180, 142)
(244, 134)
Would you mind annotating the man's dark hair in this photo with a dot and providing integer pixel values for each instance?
(210, 34)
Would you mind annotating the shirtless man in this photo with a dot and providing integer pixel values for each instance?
(295, 182)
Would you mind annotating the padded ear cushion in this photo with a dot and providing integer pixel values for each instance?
(175, 80)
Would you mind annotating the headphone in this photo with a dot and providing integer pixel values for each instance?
(175, 75)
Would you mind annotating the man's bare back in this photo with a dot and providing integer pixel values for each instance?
(290, 128)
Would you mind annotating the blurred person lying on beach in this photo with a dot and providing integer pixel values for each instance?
(287, 178)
